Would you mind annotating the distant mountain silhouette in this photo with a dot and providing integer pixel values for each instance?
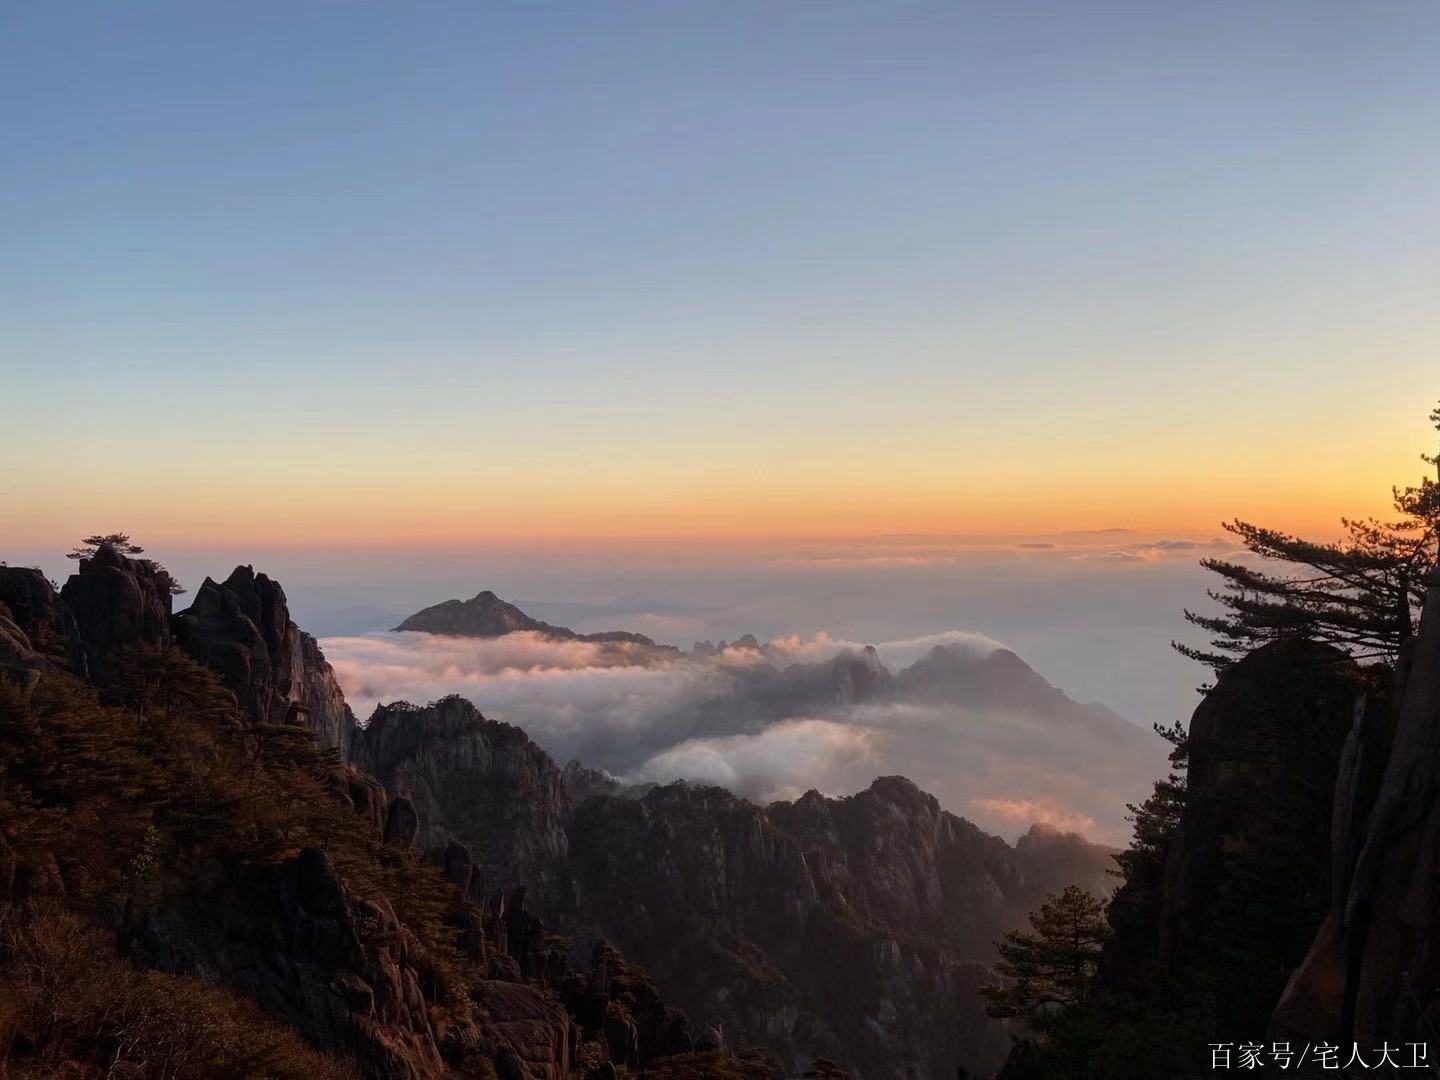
(485, 615)
(954, 675)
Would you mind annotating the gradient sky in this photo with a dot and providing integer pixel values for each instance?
(359, 272)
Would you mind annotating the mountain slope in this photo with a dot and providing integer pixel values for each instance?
(957, 676)
(858, 929)
(191, 886)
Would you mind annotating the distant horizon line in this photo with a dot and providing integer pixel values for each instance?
(1006, 537)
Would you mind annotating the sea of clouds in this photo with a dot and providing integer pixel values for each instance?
(703, 720)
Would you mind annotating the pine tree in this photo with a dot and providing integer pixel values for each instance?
(1361, 593)
(91, 544)
(121, 543)
(1050, 968)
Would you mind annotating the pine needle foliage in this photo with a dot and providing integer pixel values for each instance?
(1361, 593)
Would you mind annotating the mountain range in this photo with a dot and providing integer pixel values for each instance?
(852, 929)
(970, 720)
(209, 867)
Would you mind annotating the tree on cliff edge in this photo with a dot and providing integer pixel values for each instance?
(1361, 593)
(121, 543)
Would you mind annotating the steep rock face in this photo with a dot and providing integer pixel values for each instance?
(242, 628)
(900, 861)
(116, 602)
(857, 929)
(34, 605)
(15, 647)
(337, 968)
(20, 663)
(30, 612)
(1282, 711)
(1373, 970)
(834, 943)
(478, 782)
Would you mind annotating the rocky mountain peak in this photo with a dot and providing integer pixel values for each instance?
(483, 615)
(116, 602)
(242, 629)
(478, 782)
(486, 615)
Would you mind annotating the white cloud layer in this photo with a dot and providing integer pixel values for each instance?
(712, 721)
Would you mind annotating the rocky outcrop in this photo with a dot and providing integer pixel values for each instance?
(1228, 878)
(1372, 973)
(35, 608)
(1283, 711)
(15, 648)
(618, 1000)
(856, 929)
(335, 967)
(527, 1034)
(480, 783)
(242, 629)
(116, 603)
(30, 615)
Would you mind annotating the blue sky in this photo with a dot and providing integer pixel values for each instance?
(666, 266)
(485, 293)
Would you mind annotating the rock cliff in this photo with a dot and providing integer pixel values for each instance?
(113, 603)
(479, 783)
(857, 929)
(242, 629)
(1264, 749)
(1372, 974)
(1228, 877)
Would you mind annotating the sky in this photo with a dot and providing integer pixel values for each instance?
(877, 320)
(320, 274)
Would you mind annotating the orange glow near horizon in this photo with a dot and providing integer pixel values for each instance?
(420, 513)
(1302, 471)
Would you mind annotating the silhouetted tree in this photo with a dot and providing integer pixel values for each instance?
(1050, 968)
(1361, 593)
(121, 543)
(91, 544)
